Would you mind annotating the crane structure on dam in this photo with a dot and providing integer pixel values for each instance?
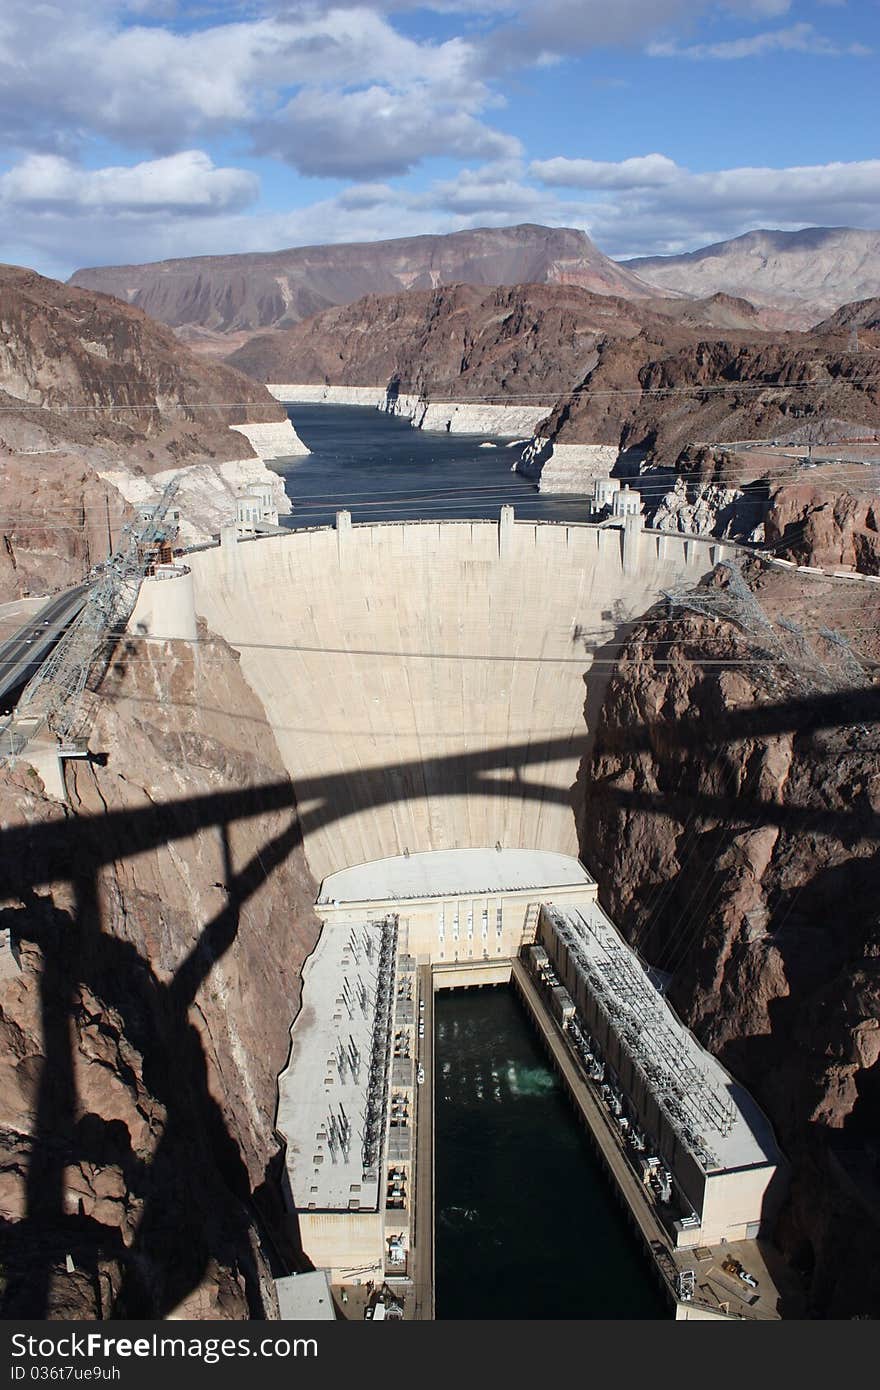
(54, 696)
(782, 645)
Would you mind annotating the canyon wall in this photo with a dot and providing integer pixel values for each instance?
(561, 468)
(273, 439)
(206, 492)
(156, 930)
(97, 399)
(817, 525)
(730, 816)
(58, 522)
(655, 382)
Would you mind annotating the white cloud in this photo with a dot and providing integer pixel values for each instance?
(336, 90)
(188, 182)
(492, 192)
(763, 9)
(693, 209)
(624, 217)
(377, 132)
(643, 171)
(155, 74)
(797, 38)
(69, 71)
(656, 177)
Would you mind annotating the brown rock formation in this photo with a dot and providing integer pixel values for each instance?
(87, 383)
(102, 373)
(159, 974)
(732, 818)
(815, 525)
(279, 288)
(457, 342)
(623, 373)
(861, 314)
(663, 392)
(57, 518)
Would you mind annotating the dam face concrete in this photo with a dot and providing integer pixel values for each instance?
(429, 683)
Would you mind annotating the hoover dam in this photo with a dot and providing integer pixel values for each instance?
(433, 688)
(433, 685)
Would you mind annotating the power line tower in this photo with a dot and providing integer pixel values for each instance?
(782, 647)
(55, 694)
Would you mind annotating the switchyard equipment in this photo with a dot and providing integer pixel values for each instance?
(335, 1104)
(377, 1086)
(710, 1154)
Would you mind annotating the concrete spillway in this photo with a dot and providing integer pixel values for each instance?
(427, 682)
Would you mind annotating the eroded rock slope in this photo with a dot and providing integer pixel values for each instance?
(90, 386)
(146, 1002)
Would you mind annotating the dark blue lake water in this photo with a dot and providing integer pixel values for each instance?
(380, 468)
(526, 1223)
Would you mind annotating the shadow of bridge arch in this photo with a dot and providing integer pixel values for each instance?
(163, 1264)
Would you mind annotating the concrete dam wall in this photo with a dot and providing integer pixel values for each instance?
(431, 684)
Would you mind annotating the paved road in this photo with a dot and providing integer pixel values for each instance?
(22, 654)
(423, 1252)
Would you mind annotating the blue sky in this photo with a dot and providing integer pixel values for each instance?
(154, 128)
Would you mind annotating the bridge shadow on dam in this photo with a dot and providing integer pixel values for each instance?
(195, 1200)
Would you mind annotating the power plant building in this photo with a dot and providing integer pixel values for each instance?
(334, 1096)
(686, 1116)
(457, 905)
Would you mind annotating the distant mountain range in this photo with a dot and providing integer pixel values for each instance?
(807, 274)
(277, 289)
(796, 278)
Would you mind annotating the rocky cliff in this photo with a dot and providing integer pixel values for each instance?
(862, 315)
(815, 525)
(280, 288)
(89, 386)
(157, 929)
(731, 815)
(658, 381)
(804, 275)
(662, 392)
(645, 378)
(456, 342)
(461, 341)
(103, 373)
